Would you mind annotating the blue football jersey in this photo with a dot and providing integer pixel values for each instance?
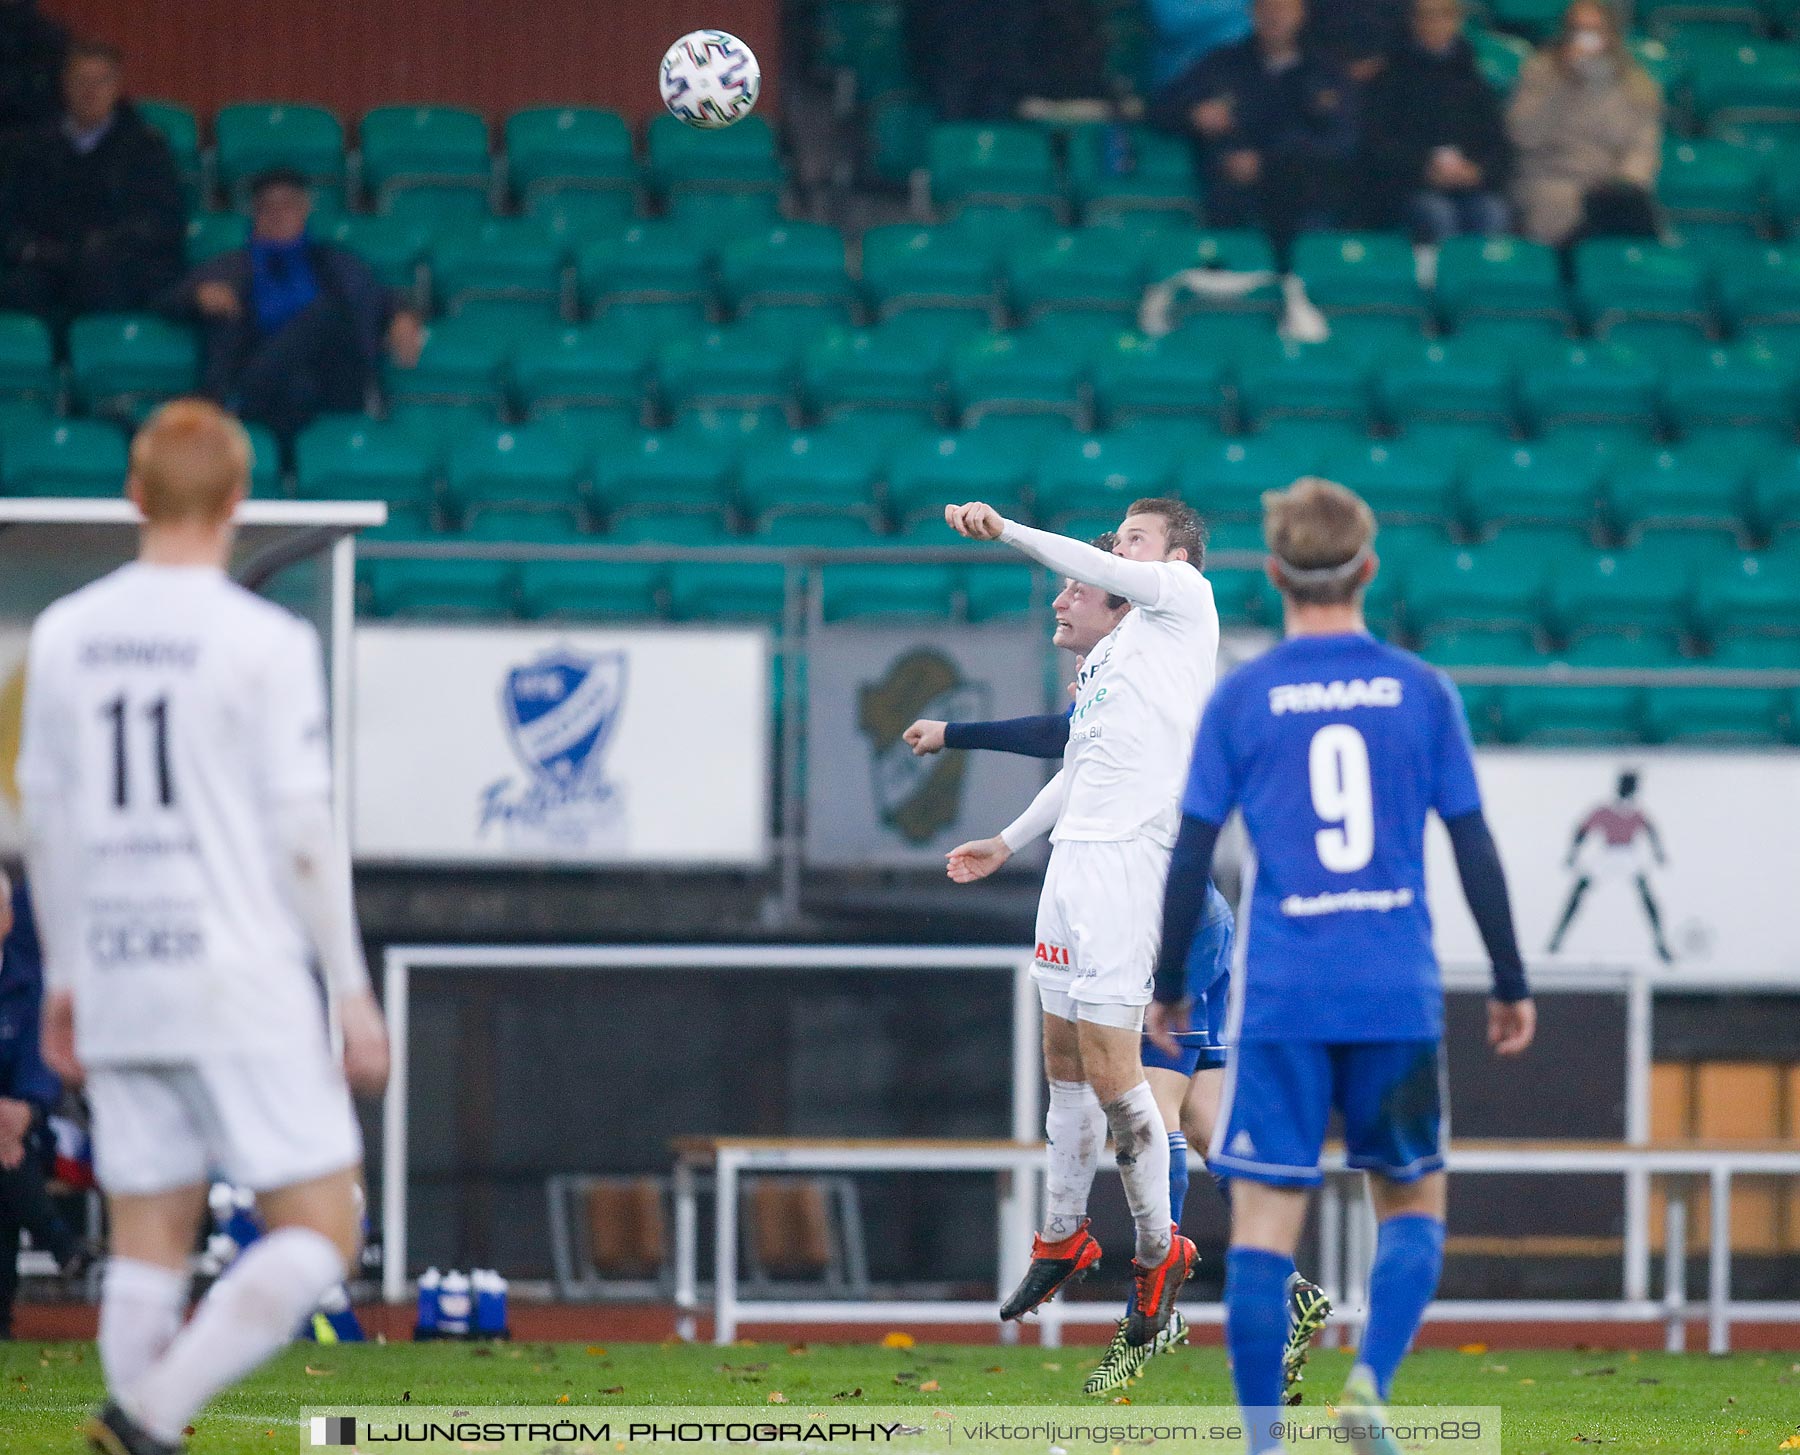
(1336, 749)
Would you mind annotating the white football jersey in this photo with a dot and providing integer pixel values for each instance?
(1137, 705)
(167, 710)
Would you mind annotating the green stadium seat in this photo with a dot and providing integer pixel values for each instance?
(462, 363)
(664, 472)
(440, 149)
(1159, 179)
(896, 136)
(1099, 475)
(888, 369)
(1180, 374)
(1516, 340)
(555, 149)
(833, 473)
(726, 590)
(1006, 593)
(435, 428)
(820, 532)
(450, 587)
(735, 367)
(1718, 716)
(1624, 651)
(499, 265)
(255, 136)
(265, 462)
(347, 457)
(1751, 81)
(1451, 647)
(1004, 227)
(1760, 282)
(579, 366)
(1360, 272)
(1084, 269)
(1244, 596)
(737, 430)
(27, 359)
(738, 158)
(648, 262)
(1403, 482)
(212, 233)
(675, 528)
(1498, 277)
(81, 457)
(1589, 384)
(980, 162)
(794, 262)
(1536, 20)
(574, 217)
(855, 592)
(906, 266)
(584, 590)
(1282, 379)
(1642, 589)
(1677, 490)
(1445, 380)
(1493, 586)
(1499, 57)
(521, 526)
(1533, 485)
(1176, 433)
(1618, 279)
(1222, 251)
(1738, 386)
(1756, 595)
(715, 218)
(1705, 181)
(1026, 435)
(523, 468)
(924, 475)
(1227, 481)
(1015, 373)
(393, 247)
(1459, 443)
(119, 362)
(1755, 654)
(1775, 494)
(1573, 716)
(181, 130)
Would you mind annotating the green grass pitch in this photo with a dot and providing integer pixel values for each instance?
(1552, 1401)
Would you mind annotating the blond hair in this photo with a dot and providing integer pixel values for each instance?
(1320, 534)
(190, 463)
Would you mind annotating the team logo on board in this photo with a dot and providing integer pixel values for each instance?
(916, 797)
(561, 710)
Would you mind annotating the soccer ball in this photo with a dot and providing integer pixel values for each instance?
(709, 79)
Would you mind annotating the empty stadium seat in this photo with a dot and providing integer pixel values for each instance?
(793, 263)
(890, 368)
(526, 468)
(1624, 651)
(1158, 177)
(670, 528)
(1739, 385)
(648, 262)
(735, 367)
(212, 233)
(980, 162)
(254, 136)
(1677, 490)
(1494, 586)
(1403, 482)
(1618, 279)
(1552, 715)
(717, 217)
(1359, 272)
(1082, 269)
(552, 149)
(1503, 277)
(1718, 716)
(1099, 475)
(440, 588)
(1760, 282)
(579, 590)
(853, 592)
(81, 457)
(831, 473)
(1014, 373)
(1755, 595)
(664, 472)
(1775, 494)
(1278, 378)
(347, 457)
(740, 158)
(726, 590)
(1227, 481)
(499, 267)
(27, 359)
(1531, 485)
(1749, 81)
(393, 247)
(574, 216)
(906, 266)
(1180, 374)
(1647, 588)
(578, 366)
(1589, 383)
(925, 475)
(1709, 181)
(439, 149)
(1459, 647)
(1445, 380)
(462, 363)
(120, 362)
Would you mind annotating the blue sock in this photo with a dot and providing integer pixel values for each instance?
(1256, 1329)
(1178, 1175)
(1409, 1257)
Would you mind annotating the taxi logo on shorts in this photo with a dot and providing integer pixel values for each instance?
(916, 797)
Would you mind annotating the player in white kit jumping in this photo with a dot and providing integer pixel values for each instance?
(176, 782)
(1138, 700)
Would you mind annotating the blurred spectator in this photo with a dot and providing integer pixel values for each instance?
(1358, 36)
(1436, 137)
(91, 207)
(31, 60)
(1587, 122)
(1274, 125)
(977, 62)
(1187, 30)
(294, 327)
(28, 1091)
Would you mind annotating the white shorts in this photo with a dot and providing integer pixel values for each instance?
(262, 1122)
(1098, 927)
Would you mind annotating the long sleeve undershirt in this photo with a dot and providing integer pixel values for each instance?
(1044, 736)
(1038, 819)
(1140, 582)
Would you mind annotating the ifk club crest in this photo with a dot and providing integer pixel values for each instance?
(916, 797)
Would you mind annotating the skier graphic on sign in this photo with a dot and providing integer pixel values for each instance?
(1615, 841)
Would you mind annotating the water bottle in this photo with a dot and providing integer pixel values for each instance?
(427, 1325)
(490, 1304)
(454, 1306)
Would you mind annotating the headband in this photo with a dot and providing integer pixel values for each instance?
(1324, 575)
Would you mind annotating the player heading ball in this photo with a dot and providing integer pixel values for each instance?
(177, 791)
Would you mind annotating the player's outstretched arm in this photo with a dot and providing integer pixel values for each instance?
(1043, 736)
(979, 858)
(1512, 1019)
(1184, 899)
(1139, 582)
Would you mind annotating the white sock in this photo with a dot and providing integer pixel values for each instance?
(140, 1309)
(1076, 1128)
(1142, 1143)
(251, 1314)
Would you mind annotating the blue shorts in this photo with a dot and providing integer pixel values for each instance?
(1279, 1096)
(1203, 1043)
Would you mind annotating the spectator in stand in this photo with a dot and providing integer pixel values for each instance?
(1273, 123)
(1586, 121)
(29, 1091)
(1188, 30)
(1358, 36)
(91, 207)
(1436, 135)
(31, 62)
(293, 327)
